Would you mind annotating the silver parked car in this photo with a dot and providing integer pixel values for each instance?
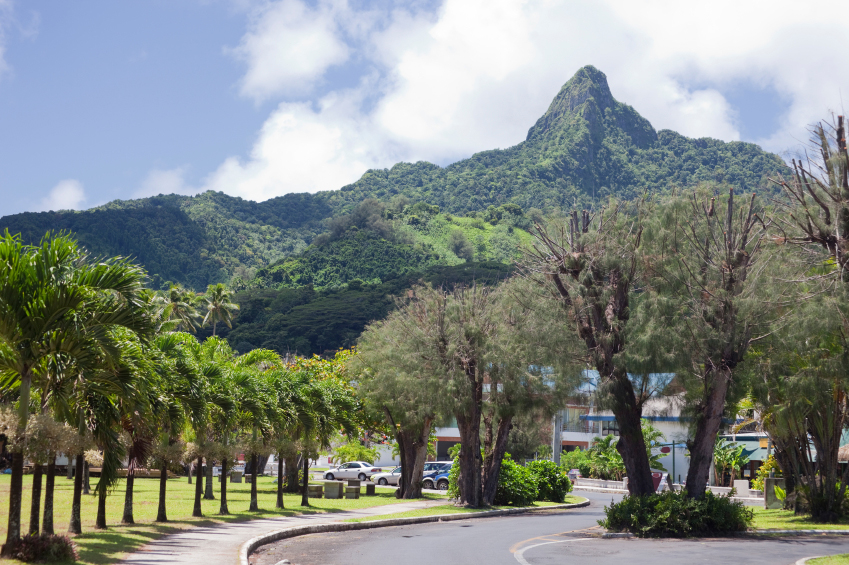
(390, 478)
(352, 470)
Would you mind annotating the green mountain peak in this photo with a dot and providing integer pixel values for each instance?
(585, 100)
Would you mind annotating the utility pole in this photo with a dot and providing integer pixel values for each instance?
(556, 445)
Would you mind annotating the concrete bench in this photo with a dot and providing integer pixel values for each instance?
(352, 492)
(333, 490)
(354, 483)
(369, 489)
(315, 491)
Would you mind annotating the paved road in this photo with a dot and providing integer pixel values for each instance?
(219, 544)
(533, 539)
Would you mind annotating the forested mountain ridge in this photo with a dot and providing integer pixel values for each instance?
(587, 146)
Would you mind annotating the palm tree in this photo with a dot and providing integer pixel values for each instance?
(180, 305)
(57, 308)
(218, 306)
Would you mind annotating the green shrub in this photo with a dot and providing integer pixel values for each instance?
(453, 477)
(45, 547)
(516, 485)
(673, 514)
(552, 484)
(577, 459)
(763, 472)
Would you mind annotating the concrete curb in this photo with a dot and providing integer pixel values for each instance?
(249, 546)
(805, 560)
(617, 535)
(800, 533)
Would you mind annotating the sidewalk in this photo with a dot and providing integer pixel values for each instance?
(219, 545)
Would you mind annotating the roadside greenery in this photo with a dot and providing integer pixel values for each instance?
(675, 514)
(552, 483)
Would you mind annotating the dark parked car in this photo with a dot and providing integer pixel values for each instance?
(437, 478)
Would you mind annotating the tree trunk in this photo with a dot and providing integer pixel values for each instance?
(49, 487)
(208, 494)
(35, 504)
(196, 511)
(13, 531)
(191, 467)
(254, 504)
(71, 469)
(75, 527)
(161, 514)
(631, 445)
(128, 499)
(492, 463)
(86, 478)
(707, 427)
(100, 524)
(305, 501)
(222, 509)
(292, 466)
(279, 482)
(470, 458)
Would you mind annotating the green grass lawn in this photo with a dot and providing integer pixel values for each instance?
(842, 559)
(450, 509)
(100, 547)
(786, 520)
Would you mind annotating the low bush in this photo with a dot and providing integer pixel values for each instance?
(45, 547)
(673, 514)
(552, 483)
(516, 485)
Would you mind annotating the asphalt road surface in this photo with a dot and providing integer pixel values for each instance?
(538, 538)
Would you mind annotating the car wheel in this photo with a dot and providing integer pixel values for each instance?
(442, 484)
(362, 476)
(330, 477)
(427, 485)
(382, 482)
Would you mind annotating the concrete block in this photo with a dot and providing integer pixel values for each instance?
(352, 492)
(354, 483)
(771, 502)
(236, 477)
(333, 490)
(742, 487)
(315, 491)
(369, 489)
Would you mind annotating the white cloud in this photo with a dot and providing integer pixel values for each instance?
(288, 47)
(159, 181)
(68, 194)
(476, 74)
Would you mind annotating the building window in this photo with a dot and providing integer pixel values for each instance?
(610, 427)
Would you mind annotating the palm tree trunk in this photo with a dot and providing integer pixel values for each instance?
(49, 487)
(292, 465)
(100, 524)
(254, 505)
(86, 481)
(280, 482)
(16, 488)
(75, 527)
(35, 505)
(128, 499)
(161, 516)
(223, 508)
(198, 490)
(191, 467)
(208, 495)
(13, 532)
(305, 501)
(214, 324)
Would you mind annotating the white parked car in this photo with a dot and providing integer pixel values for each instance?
(352, 470)
(390, 478)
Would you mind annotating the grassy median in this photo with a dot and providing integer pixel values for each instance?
(100, 547)
(449, 509)
(787, 520)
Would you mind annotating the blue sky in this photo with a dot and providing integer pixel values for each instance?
(102, 100)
